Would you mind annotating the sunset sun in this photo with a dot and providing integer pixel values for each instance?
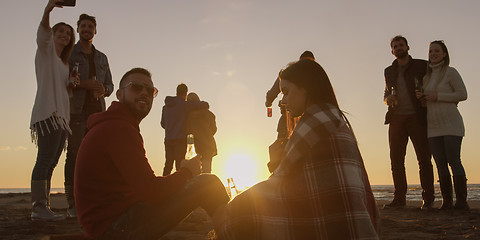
(243, 168)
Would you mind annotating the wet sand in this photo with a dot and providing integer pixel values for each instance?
(405, 223)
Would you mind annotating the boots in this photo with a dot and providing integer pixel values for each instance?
(398, 202)
(40, 202)
(447, 193)
(460, 183)
(71, 211)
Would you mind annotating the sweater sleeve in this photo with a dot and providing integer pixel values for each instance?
(273, 92)
(44, 38)
(459, 91)
(196, 105)
(128, 154)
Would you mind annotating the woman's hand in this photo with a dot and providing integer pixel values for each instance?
(53, 3)
(418, 94)
(46, 14)
(431, 97)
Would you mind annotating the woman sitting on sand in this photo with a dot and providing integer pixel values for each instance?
(320, 189)
(51, 110)
(444, 88)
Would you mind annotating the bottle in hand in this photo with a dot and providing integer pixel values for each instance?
(394, 93)
(190, 147)
(73, 82)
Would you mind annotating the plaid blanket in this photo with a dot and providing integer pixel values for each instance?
(320, 190)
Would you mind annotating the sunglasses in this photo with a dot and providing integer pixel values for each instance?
(138, 88)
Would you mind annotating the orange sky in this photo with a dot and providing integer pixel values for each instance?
(229, 53)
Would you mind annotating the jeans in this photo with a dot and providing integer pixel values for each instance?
(401, 128)
(78, 125)
(446, 151)
(50, 146)
(175, 151)
(146, 221)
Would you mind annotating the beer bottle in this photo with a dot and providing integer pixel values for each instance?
(394, 93)
(190, 147)
(73, 75)
(418, 86)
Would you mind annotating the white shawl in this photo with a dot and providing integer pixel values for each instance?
(52, 104)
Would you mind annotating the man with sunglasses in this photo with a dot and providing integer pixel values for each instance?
(88, 97)
(174, 118)
(117, 193)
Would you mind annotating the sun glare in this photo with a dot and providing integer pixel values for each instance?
(242, 168)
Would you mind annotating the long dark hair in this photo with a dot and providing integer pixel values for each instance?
(310, 76)
(67, 50)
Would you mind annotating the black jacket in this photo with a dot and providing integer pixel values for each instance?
(416, 68)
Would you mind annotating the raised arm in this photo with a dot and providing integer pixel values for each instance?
(46, 13)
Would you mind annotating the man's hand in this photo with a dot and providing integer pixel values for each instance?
(99, 91)
(268, 104)
(194, 165)
(391, 100)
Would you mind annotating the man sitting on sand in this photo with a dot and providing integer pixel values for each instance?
(117, 193)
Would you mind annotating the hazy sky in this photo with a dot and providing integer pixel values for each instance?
(229, 53)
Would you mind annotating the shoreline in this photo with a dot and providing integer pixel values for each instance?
(405, 223)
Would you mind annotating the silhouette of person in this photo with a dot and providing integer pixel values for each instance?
(174, 116)
(201, 123)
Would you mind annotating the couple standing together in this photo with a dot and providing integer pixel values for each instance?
(63, 103)
(422, 100)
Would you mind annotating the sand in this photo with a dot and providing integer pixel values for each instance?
(406, 223)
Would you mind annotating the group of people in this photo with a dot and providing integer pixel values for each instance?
(183, 115)
(422, 98)
(318, 189)
(64, 102)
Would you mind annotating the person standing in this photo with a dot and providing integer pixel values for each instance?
(51, 110)
(117, 193)
(443, 90)
(174, 116)
(286, 123)
(407, 119)
(88, 97)
(201, 123)
(283, 128)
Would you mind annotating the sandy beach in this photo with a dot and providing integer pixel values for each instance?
(406, 223)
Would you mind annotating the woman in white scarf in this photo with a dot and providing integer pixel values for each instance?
(49, 123)
(444, 88)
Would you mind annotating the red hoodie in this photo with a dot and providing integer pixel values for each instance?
(112, 172)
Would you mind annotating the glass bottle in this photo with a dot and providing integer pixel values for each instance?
(73, 75)
(190, 147)
(418, 86)
(394, 93)
(232, 189)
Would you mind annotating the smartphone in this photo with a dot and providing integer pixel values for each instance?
(68, 3)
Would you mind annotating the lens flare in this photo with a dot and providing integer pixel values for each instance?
(242, 168)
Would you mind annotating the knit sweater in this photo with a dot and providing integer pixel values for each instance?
(443, 117)
(51, 102)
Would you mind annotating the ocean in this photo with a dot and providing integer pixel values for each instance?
(414, 192)
(381, 192)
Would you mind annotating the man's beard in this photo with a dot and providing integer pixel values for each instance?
(401, 54)
(137, 113)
